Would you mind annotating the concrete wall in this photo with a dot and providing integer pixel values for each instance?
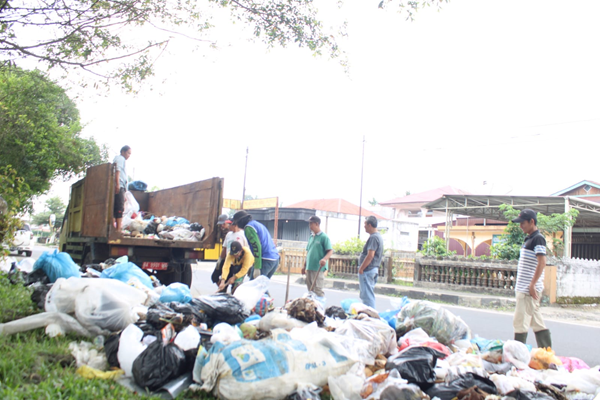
(577, 281)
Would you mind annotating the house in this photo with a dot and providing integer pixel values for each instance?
(339, 219)
(411, 209)
(587, 190)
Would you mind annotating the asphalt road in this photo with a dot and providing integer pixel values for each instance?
(568, 339)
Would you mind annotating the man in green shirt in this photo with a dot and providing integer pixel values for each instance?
(318, 252)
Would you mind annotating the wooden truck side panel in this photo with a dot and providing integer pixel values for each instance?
(98, 200)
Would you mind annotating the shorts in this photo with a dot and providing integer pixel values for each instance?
(119, 204)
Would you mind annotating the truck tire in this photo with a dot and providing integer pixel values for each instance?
(28, 253)
(171, 275)
(186, 275)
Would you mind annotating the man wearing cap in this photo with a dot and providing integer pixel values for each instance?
(238, 262)
(318, 252)
(369, 261)
(266, 257)
(530, 282)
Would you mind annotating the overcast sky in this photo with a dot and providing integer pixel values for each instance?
(502, 92)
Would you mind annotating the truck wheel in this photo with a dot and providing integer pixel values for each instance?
(186, 275)
(28, 253)
(19, 253)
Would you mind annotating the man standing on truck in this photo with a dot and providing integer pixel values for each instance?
(120, 185)
(266, 257)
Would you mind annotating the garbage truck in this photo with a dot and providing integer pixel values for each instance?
(89, 235)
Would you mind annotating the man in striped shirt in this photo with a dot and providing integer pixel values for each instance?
(530, 282)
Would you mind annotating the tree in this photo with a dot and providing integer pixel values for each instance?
(89, 33)
(436, 246)
(509, 247)
(12, 196)
(54, 205)
(40, 132)
(373, 202)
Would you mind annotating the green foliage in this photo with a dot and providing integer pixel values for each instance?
(13, 193)
(352, 246)
(120, 40)
(40, 133)
(436, 246)
(511, 241)
(54, 205)
(373, 202)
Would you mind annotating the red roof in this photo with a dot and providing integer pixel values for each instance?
(424, 197)
(334, 205)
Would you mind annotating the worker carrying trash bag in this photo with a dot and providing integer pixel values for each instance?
(237, 264)
(266, 257)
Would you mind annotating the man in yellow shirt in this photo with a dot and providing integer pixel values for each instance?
(237, 264)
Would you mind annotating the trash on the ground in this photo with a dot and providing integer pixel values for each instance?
(380, 336)
(221, 307)
(437, 321)
(130, 346)
(158, 364)
(177, 292)
(245, 368)
(516, 353)
(306, 309)
(57, 265)
(85, 353)
(250, 293)
(416, 365)
(125, 271)
(544, 359)
(93, 373)
(448, 391)
(56, 324)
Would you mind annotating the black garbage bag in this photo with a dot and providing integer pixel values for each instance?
(138, 185)
(416, 365)
(150, 229)
(216, 275)
(195, 227)
(111, 349)
(38, 296)
(335, 312)
(36, 276)
(448, 391)
(221, 307)
(158, 364)
(404, 392)
(189, 312)
(160, 314)
(519, 394)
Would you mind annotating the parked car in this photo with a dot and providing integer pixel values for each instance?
(22, 242)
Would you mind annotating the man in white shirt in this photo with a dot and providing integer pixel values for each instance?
(120, 185)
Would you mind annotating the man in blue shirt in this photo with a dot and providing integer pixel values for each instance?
(266, 257)
(120, 185)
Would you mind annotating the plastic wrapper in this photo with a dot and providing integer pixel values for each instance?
(125, 271)
(57, 265)
(349, 385)
(177, 292)
(391, 315)
(85, 353)
(516, 353)
(381, 337)
(188, 339)
(402, 392)
(448, 391)
(336, 312)
(96, 308)
(132, 207)
(506, 384)
(347, 304)
(264, 305)
(244, 369)
(225, 334)
(357, 308)
(573, 363)
(158, 364)
(416, 365)
(130, 346)
(438, 322)
(249, 293)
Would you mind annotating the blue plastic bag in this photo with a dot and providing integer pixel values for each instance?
(57, 265)
(138, 185)
(176, 292)
(390, 316)
(125, 271)
(176, 221)
(347, 304)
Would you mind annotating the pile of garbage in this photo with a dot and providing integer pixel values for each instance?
(242, 347)
(144, 225)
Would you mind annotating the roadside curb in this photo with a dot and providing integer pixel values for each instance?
(459, 299)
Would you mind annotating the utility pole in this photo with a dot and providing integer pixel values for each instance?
(361, 186)
(244, 189)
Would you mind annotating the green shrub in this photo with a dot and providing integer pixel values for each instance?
(350, 247)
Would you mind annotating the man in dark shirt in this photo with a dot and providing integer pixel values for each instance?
(369, 261)
(530, 282)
